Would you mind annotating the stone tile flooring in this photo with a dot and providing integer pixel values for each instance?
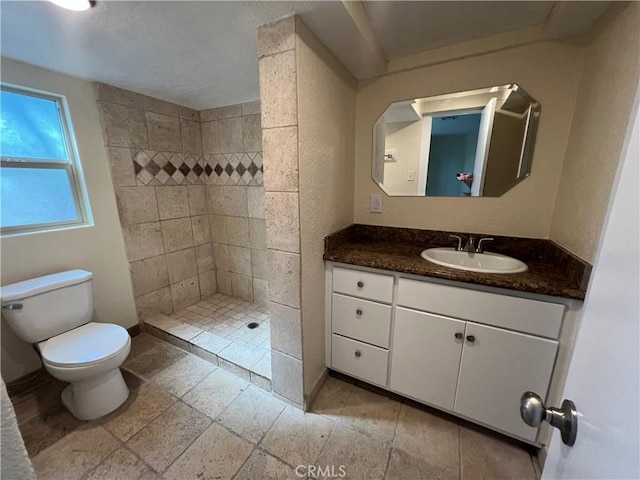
(216, 330)
(188, 419)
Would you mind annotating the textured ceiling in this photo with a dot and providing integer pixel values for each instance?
(202, 54)
(198, 54)
(405, 28)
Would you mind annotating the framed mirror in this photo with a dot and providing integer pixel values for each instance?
(477, 143)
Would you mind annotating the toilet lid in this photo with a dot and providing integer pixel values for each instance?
(82, 346)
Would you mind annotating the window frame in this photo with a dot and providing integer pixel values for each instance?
(71, 165)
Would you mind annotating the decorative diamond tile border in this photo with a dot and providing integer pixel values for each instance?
(167, 168)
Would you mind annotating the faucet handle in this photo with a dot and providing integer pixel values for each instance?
(459, 238)
(479, 248)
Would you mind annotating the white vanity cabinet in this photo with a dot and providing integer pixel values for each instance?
(466, 351)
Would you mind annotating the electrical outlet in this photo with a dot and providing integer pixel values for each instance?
(376, 203)
(411, 175)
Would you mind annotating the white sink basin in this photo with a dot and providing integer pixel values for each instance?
(474, 262)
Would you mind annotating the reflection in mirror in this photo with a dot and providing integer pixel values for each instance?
(474, 143)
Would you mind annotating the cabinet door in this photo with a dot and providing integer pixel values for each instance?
(426, 356)
(497, 367)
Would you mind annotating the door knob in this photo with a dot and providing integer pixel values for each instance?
(360, 284)
(458, 335)
(471, 338)
(358, 354)
(565, 418)
(359, 312)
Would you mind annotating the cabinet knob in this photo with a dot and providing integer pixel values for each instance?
(358, 353)
(471, 338)
(360, 284)
(458, 335)
(359, 312)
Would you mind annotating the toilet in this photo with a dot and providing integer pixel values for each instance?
(54, 312)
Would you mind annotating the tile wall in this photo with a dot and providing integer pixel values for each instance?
(231, 136)
(163, 161)
(278, 93)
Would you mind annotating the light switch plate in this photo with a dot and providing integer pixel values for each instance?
(411, 176)
(376, 203)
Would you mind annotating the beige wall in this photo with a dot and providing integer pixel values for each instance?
(605, 99)
(98, 248)
(326, 123)
(550, 72)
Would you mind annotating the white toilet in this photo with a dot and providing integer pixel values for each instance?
(55, 313)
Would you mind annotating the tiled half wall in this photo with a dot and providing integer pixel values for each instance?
(168, 169)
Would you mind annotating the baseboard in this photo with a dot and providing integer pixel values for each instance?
(310, 398)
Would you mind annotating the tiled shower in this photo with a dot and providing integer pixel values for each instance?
(189, 191)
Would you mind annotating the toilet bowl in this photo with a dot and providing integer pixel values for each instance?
(54, 312)
(88, 357)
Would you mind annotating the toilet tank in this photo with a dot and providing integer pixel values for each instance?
(44, 307)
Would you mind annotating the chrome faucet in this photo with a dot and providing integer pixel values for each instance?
(459, 238)
(479, 248)
(469, 247)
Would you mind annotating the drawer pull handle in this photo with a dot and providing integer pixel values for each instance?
(360, 284)
(359, 312)
(458, 335)
(471, 338)
(358, 354)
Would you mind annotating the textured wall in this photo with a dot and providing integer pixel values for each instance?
(158, 173)
(232, 141)
(98, 248)
(326, 138)
(605, 97)
(550, 72)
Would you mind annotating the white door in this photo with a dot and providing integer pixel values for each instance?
(604, 375)
(482, 148)
(425, 150)
(426, 356)
(497, 366)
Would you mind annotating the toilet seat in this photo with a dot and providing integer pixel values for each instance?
(89, 344)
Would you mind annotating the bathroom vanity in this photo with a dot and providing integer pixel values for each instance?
(464, 347)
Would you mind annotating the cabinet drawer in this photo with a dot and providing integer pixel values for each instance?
(363, 361)
(373, 286)
(361, 319)
(528, 316)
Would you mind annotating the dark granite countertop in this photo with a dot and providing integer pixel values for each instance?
(552, 270)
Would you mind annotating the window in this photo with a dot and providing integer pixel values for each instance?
(40, 176)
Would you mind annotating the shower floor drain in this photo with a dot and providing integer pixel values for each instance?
(252, 325)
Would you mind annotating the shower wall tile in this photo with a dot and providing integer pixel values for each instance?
(164, 132)
(201, 229)
(143, 240)
(281, 155)
(181, 265)
(121, 164)
(171, 167)
(191, 137)
(137, 205)
(210, 138)
(252, 133)
(173, 202)
(197, 200)
(218, 225)
(123, 126)
(156, 105)
(230, 135)
(177, 234)
(278, 90)
(149, 274)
